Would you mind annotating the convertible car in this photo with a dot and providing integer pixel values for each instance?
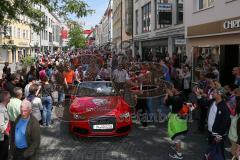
(97, 110)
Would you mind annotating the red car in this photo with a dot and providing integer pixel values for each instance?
(97, 110)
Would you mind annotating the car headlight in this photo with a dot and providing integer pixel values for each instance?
(125, 115)
(79, 117)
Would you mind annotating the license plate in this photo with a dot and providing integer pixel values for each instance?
(103, 126)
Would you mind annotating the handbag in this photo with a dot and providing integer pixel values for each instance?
(214, 152)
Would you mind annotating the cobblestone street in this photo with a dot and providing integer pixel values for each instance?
(143, 143)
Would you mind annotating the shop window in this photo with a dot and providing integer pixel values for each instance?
(163, 13)
(203, 60)
(146, 18)
(161, 52)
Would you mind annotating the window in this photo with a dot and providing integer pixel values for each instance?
(13, 32)
(179, 11)
(46, 35)
(202, 4)
(43, 32)
(49, 22)
(42, 35)
(10, 31)
(163, 13)
(27, 34)
(25, 19)
(23, 34)
(53, 37)
(50, 37)
(46, 20)
(137, 23)
(227, 1)
(146, 18)
(19, 33)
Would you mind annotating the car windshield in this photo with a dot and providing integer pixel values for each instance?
(93, 89)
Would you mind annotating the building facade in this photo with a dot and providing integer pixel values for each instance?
(49, 38)
(56, 33)
(98, 40)
(158, 28)
(122, 25)
(213, 36)
(15, 43)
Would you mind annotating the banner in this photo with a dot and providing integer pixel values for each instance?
(64, 34)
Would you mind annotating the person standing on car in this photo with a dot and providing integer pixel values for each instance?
(120, 77)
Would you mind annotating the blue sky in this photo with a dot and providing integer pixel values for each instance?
(99, 6)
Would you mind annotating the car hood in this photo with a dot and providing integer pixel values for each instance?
(95, 106)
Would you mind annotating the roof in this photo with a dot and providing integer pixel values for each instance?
(88, 32)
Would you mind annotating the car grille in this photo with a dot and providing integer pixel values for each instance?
(103, 120)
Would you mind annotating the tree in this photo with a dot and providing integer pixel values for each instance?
(10, 9)
(27, 61)
(76, 37)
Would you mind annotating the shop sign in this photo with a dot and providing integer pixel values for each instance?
(180, 41)
(231, 24)
(165, 7)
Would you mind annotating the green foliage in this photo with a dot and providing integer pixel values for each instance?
(10, 9)
(27, 61)
(76, 38)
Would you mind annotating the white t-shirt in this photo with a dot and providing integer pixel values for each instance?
(212, 116)
(120, 76)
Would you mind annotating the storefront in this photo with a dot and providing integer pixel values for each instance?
(152, 48)
(160, 48)
(180, 48)
(215, 43)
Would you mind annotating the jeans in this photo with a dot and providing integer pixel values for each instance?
(47, 109)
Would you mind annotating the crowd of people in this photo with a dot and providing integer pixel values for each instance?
(28, 96)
